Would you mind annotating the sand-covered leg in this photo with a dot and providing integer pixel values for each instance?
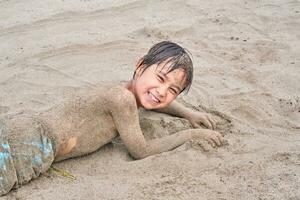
(32, 152)
(8, 176)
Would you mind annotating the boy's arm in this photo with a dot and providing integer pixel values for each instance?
(196, 118)
(125, 116)
(176, 109)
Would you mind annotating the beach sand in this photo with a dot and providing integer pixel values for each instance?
(247, 75)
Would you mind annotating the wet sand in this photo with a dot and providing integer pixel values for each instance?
(247, 74)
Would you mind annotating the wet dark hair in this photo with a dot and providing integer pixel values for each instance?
(171, 53)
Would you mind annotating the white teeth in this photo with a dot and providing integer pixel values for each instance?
(153, 97)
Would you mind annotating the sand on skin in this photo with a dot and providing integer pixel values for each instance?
(246, 56)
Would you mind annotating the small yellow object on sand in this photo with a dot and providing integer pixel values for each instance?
(63, 173)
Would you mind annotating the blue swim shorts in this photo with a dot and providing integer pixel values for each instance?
(25, 152)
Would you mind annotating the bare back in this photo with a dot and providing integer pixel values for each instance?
(82, 124)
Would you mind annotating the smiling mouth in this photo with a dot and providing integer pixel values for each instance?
(154, 98)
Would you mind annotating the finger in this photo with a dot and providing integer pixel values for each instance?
(207, 123)
(204, 145)
(195, 125)
(216, 140)
(215, 123)
(221, 138)
(211, 142)
(212, 122)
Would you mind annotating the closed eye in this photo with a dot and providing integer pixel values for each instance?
(173, 91)
(160, 78)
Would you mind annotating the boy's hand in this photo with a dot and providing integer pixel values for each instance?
(198, 118)
(214, 138)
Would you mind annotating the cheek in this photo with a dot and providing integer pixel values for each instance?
(170, 98)
(146, 84)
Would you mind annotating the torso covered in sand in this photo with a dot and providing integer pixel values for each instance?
(82, 124)
(95, 116)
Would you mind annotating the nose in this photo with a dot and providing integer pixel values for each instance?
(162, 91)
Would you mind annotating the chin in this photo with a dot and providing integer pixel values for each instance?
(148, 107)
(152, 107)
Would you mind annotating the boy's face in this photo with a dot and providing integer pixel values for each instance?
(156, 88)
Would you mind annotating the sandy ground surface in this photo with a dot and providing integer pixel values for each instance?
(247, 71)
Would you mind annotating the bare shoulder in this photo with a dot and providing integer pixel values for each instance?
(109, 92)
(120, 98)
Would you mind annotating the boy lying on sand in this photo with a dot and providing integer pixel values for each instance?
(30, 144)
